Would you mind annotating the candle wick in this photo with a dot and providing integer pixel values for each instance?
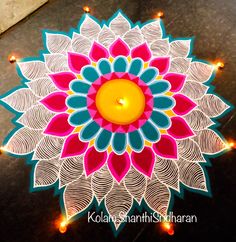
(120, 101)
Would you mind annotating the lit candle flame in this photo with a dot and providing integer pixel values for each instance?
(86, 9)
(63, 227)
(167, 227)
(219, 65)
(12, 59)
(160, 14)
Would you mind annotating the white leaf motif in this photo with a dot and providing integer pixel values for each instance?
(36, 117)
(180, 48)
(209, 142)
(56, 62)
(179, 65)
(21, 100)
(106, 36)
(32, 70)
(152, 31)
(135, 184)
(119, 25)
(212, 105)
(77, 196)
(71, 169)
(194, 90)
(200, 72)
(133, 37)
(192, 175)
(23, 141)
(157, 196)
(118, 203)
(102, 183)
(58, 43)
(167, 172)
(46, 172)
(90, 28)
(160, 47)
(81, 44)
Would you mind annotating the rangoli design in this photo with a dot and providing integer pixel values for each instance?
(117, 113)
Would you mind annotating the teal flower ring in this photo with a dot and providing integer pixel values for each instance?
(116, 112)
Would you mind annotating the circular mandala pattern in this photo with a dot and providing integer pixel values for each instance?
(116, 111)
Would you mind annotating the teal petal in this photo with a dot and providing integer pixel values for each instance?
(159, 87)
(90, 74)
(119, 143)
(76, 101)
(150, 132)
(163, 102)
(149, 75)
(135, 140)
(136, 67)
(160, 119)
(120, 64)
(103, 140)
(89, 131)
(79, 117)
(79, 87)
(104, 66)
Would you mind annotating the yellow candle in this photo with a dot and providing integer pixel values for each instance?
(120, 101)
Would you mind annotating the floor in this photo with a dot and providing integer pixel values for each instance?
(30, 217)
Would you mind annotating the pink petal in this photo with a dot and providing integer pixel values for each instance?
(55, 101)
(142, 51)
(119, 47)
(73, 146)
(179, 129)
(161, 63)
(94, 160)
(62, 79)
(77, 61)
(144, 161)
(176, 80)
(59, 125)
(118, 165)
(183, 104)
(166, 147)
(98, 51)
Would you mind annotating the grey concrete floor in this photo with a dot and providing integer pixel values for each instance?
(30, 217)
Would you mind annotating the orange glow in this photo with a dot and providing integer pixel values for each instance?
(219, 65)
(61, 224)
(168, 227)
(231, 144)
(160, 14)
(12, 59)
(86, 9)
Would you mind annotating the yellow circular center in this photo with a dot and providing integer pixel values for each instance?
(120, 101)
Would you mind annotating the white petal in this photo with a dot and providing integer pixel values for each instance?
(192, 175)
(135, 184)
(157, 196)
(71, 169)
(77, 196)
(152, 31)
(106, 36)
(180, 48)
(209, 142)
(160, 47)
(81, 44)
(23, 141)
(48, 148)
(89, 28)
(102, 183)
(46, 172)
(197, 120)
(32, 70)
(42, 86)
(58, 43)
(167, 172)
(133, 37)
(212, 105)
(118, 203)
(179, 65)
(200, 72)
(56, 62)
(189, 150)
(194, 90)
(119, 25)
(21, 100)
(36, 117)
